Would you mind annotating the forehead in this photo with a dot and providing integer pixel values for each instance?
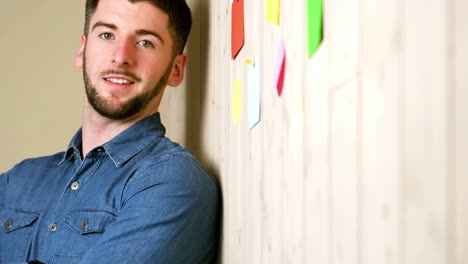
(132, 16)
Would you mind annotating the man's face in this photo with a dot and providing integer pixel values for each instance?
(127, 59)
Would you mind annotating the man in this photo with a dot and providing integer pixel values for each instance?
(121, 192)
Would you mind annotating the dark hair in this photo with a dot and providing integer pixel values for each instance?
(180, 19)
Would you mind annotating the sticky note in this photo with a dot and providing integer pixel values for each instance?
(314, 25)
(280, 68)
(253, 93)
(249, 62)
(236, 102)
(237, 27)
(272, 11)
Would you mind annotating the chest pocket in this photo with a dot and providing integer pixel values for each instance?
(82, 230)
(89, 221)
(17, 227)
(85, 227)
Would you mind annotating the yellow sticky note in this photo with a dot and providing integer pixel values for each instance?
(272, 11)
(236, 102)
(249, 62)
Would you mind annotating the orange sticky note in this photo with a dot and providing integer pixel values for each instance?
(237, 27)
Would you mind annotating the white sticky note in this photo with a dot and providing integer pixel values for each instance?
(253, 90)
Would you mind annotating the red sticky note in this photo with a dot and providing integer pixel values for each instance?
(280, 69)
(237, 27)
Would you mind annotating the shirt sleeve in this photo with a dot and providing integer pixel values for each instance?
(3, 186)
(169, 215)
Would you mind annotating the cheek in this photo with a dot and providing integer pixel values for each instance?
(92, 62)
(152, 72)
(153, 65)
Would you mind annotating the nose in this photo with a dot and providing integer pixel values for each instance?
(123, 55)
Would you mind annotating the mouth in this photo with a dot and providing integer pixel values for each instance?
(118, 80)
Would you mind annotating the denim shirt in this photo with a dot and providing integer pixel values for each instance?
(139, 198)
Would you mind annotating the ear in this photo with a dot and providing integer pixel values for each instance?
(178, 70)
(80, 54)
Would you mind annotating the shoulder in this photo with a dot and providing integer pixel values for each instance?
(45, 162)
(171, 160)
(31, 172)
(172, 168)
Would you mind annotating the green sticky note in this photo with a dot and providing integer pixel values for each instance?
(314, 25)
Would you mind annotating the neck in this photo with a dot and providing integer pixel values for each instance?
(97, 130)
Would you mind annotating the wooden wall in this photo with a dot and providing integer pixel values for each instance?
(363, 160)
(364, 157)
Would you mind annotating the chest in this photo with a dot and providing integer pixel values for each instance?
(60, 212)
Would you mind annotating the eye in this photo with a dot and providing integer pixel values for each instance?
(145, 43)
(106, 36)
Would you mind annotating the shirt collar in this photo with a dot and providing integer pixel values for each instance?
(126, 144)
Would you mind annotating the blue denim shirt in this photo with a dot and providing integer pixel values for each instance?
(139, 198)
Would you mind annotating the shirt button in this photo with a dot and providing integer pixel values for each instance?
(75, 186)
(84, 225)
(53, 227)
(8, 225)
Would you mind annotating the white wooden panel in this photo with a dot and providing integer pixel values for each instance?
(381, 162)
(272, 122)
(381, 30)
(425, 132)
(210, 142)
(316, 159)
(254, 178)
(218, 55)
(381, 132)
(344, 229)
(343, 31)
(461, 139)
(342, 25)
(293, 27)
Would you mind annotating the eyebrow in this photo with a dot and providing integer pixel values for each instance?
(140, 32)
(102, 24)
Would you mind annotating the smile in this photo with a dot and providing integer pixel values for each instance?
(118, 80)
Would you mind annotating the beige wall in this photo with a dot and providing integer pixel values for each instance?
(41, 91)
(363, 159)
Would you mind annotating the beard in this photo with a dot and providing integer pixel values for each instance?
(126, 109)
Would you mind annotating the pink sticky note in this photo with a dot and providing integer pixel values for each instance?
(237, 27)
(280, 69)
